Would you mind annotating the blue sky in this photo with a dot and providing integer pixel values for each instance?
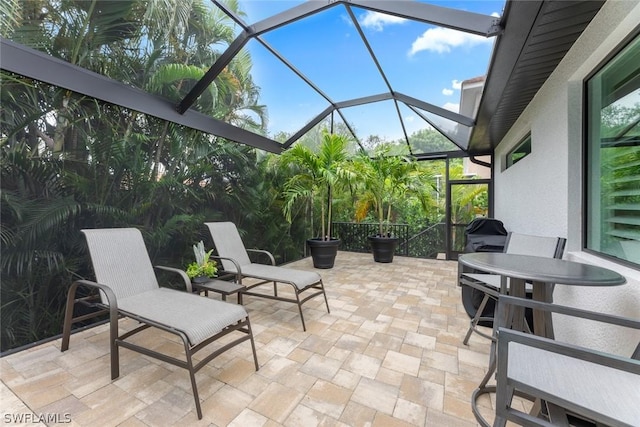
(419, 60)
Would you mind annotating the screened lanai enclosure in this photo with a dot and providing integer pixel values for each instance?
(164, 114)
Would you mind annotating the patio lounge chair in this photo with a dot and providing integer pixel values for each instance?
(490, 284)
(235, 260)
(572, 381)
(128, 287)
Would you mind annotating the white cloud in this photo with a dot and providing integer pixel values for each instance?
(377, 21)
(456, 84)
(410, 118)
(447, 92)
(443, 40)
(451, 107)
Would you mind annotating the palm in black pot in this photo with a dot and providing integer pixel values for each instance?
(384, 180)
(317, 175)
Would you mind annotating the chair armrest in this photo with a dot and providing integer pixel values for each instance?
(598, 385)
(71, 298)
(111, 297)
(185, 278)
(237, 273)
(504, 301)
(564, 374)
(262, 251)
(479, 285)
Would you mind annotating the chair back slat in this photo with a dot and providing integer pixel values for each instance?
(120, 261)
(542, 246)
(228, 244)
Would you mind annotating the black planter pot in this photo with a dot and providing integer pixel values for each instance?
(383, 248)
(323, 252)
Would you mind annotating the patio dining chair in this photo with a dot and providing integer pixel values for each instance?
(573, 382)
(128, 287)
(235, 260)
(491, 284)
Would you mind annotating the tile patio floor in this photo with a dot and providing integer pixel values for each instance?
(390, 353)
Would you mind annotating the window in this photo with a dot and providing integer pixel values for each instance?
(613, 157)
(520, 152)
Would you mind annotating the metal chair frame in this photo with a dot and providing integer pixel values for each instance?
(116, 341)
(559, 408)
(240, 275)
(465, 279)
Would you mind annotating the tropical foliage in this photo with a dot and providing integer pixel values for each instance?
(315, 176)
(383, 181)
(202, 266)
(69, 162)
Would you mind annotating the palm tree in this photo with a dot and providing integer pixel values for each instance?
(316, 176)
(384, 181)
(69, 162)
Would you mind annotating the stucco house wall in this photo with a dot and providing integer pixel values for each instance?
(542, 193)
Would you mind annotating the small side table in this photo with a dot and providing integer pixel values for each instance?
(222, 287)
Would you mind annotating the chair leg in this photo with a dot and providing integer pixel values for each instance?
(504, 398)
(326, 301)
(192, 376)
(474, 322)
(68, 317)
(304, 327)
(113, 345)
(499, 422)
(253, 345)
(113, 326)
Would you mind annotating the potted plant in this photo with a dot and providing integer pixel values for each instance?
(316, 175)
(203, 268)
(384, 179)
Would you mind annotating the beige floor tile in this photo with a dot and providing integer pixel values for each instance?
(327, 398)
(389, 353)
(362, 365)
(458, 408)
(237, 371)
(108, 403)
(305, 416)
(225, 405)
(299, 381)
(13, 410)
(168, 410)
(438, 418)
(391, 377)
(276, 402)
(384, 420)
(420, 340)
(358, 415)
(249, 418)
(441, 361)
(375, 394)
(321, 367)
(422, 392)
(410, 412)
(281, 346)
(402, 363)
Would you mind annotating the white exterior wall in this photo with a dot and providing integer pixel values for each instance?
(542, 193)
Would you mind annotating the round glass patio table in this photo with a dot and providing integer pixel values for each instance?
(543, 273)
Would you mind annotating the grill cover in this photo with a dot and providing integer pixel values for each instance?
(485, 235)
(482, 235)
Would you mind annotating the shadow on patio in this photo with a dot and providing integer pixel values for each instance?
(390, 353)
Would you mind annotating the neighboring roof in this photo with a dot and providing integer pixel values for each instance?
(532, 38)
